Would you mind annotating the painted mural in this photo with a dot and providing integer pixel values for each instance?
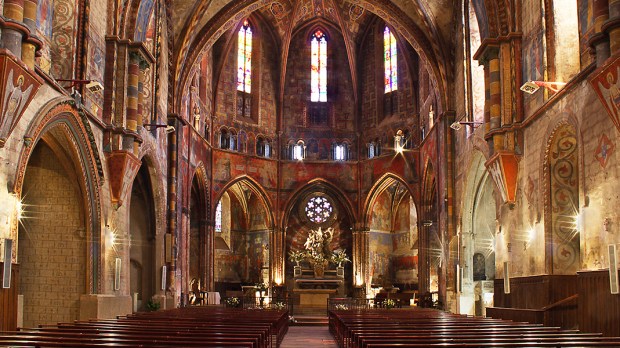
(563, 164)
(63, 39)
(606, 84)
(143, 19)
(231, 165)
(393, 239)
(586, 29)
(94, 101)
(45, 14)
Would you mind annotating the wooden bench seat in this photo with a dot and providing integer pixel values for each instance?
(432, 328)
(206, 327)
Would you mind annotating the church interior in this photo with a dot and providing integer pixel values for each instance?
(156, 151)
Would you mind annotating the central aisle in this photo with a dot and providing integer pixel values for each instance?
(308, 336)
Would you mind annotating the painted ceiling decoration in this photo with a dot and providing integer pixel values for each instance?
(198, 25)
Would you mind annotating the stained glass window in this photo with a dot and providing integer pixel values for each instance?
(218, 217)
(244, 58)
(298, 152)
(318, 209)
(390, 59)
(319, 67)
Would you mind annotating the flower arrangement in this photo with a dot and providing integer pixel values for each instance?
(389, 303)
(232, 302)
(342, 307)
(278, 305)
(296, 256)
(340, 256)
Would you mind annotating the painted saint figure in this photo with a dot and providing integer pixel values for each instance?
(13, 101)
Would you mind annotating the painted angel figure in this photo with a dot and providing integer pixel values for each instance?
(14, 100)
(611, 95)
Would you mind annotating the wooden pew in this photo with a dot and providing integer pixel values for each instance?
(186, 327)
(432, 328)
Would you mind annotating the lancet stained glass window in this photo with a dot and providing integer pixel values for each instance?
(244, 59)
(390, 60)
(218, 217)
(319, 67)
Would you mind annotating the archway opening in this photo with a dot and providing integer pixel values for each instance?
(52, 238)
(142, 237)
(198, 234)
(317, 211)
(393, 241)
(242, 240)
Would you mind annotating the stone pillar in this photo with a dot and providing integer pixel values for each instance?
(141, 116)
(208, 255)
(133, 78)
(599, 40)
(30, 18)
(361, 276)
(487, 99)
(612, 26)
(495, 107)
(12, 38)
(423, 258)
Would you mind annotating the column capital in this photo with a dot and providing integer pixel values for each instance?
(489, 49)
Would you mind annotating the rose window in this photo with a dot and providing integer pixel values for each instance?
(319, 209)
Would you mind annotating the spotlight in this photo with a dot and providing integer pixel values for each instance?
(455, 125)
(531, 87)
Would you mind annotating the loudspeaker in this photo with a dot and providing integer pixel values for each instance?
(117, 274)
(506, 278)
(8, 256)
(163, 277)
(613, 269)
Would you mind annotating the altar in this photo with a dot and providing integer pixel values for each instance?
(316, 298)
(314, 282)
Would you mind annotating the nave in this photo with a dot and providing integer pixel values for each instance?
(217, 326)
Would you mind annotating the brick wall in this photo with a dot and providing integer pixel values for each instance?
(51, 242)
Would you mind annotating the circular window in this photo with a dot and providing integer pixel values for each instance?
(319, 209)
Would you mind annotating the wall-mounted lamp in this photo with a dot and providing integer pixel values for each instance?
(110, 236)
(458, 124)
(531, 234)
(531, 87)
(151, 126)
(11, 211)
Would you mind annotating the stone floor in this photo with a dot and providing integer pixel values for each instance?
(308, 337)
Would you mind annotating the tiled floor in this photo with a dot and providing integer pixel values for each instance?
(308, 337)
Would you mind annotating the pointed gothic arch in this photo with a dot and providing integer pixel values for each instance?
(57, 175)
(200, 240)
(379, 186)
(60, 113)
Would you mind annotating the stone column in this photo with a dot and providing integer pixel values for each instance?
(12, 38)
(612, 26)
(141, 116)
(30, 18)
(495, 92)
(599, 40)
(133, 78)
(423, 258)
(360, 258)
